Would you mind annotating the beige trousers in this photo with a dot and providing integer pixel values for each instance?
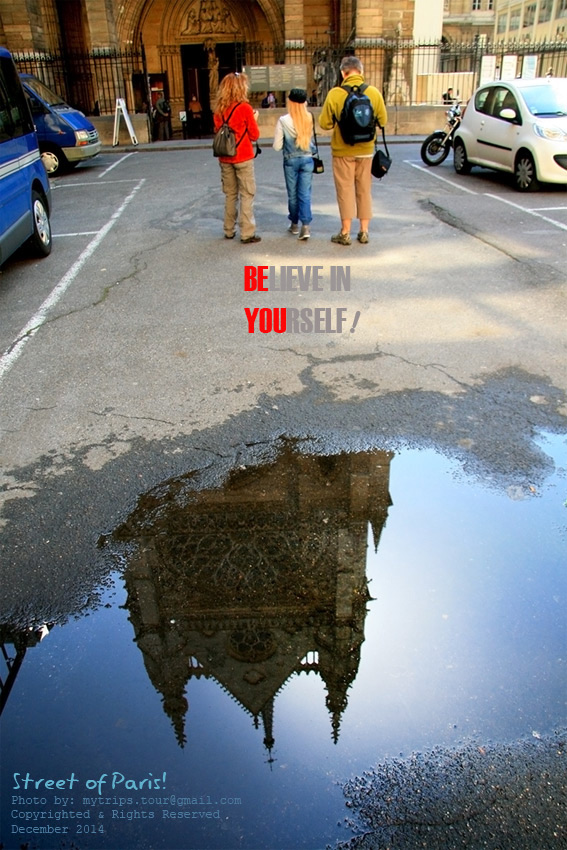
(238, 184)
(353, 185)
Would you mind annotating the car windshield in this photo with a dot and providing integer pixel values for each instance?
(548, 99)
(49, 97)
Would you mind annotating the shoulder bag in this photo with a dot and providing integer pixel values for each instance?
(318, 164)
(381, 161)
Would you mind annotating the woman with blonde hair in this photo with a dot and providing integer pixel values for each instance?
(237, 172)
(294, 136)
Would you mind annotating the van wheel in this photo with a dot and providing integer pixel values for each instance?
(40, 240)
(525, 175)
(55, 162)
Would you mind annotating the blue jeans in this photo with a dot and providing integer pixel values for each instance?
(298, 171)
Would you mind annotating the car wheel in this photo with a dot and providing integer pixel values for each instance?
(55, 161)
(525, 175)
(460, 159)
(40, 240)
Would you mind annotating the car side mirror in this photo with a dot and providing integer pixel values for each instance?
(508, 114)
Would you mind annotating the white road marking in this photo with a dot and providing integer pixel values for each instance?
(91, 183)
(12, 354)
(552, 221)
(438, 177)
(114, 164)
(79, 233)
(547, 209)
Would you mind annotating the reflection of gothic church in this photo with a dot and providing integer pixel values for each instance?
(257, 582)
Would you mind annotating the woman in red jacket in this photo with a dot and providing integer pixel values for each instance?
(237, 172)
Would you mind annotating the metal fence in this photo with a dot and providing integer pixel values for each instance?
(91, 82)
(408, 73)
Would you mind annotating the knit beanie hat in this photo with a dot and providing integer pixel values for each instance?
(298, 95)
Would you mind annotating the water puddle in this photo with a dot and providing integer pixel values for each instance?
(262, 643)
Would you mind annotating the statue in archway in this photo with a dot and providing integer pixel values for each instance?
(192, 25)
(209, 16)
(213, 66)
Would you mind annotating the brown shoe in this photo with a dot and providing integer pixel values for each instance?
(254, 238)
(341, 239)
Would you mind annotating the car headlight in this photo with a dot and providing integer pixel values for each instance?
(554, 134)
(82, 137)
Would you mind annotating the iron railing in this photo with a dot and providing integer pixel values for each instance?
(407, 72)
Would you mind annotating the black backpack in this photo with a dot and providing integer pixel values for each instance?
(357, 122)
(224, 141)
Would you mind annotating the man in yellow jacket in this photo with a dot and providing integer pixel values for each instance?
(351, 163)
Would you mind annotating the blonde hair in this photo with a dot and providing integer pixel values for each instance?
(232, 89)
(303, 123)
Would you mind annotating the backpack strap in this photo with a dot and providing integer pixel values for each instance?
(226, 121)
(361, 88)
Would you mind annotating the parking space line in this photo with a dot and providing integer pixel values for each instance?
(12, 354)
(552, 221)
(438, 176)
(548, 209)
(78, 233)
(92, 183)
(114, 164)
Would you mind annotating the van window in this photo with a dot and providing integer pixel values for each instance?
(15, 118)
(49, 97)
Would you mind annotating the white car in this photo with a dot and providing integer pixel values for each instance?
(518, 126)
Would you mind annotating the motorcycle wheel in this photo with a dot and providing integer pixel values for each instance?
(434, 150)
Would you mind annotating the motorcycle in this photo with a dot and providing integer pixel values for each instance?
(436, 147)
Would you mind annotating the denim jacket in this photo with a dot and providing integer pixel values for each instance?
(285, 139)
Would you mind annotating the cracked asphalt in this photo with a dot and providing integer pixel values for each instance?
(143, 368)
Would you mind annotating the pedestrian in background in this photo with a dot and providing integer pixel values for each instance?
(195, 114)
(294, 136)
(237, 172)
(162, 115)
(352, 163)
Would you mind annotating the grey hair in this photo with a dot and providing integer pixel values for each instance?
(351, 63)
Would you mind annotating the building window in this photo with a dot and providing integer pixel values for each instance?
(562, 9)
(529, 15)
(515, 16)
(545, 10)
(475, 5)
(503, 22)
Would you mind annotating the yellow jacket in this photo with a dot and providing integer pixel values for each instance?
(333, 107)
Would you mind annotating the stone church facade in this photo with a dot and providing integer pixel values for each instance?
(186, 46)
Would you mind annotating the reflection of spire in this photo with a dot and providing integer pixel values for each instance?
(267, 714)
(176, 709)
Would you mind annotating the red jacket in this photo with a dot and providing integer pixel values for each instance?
(245, 128)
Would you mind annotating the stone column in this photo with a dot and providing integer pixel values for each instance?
(101, 24)
(170, 60)
(293, 16)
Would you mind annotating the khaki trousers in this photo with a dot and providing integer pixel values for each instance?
(353, 185)
(238, 184)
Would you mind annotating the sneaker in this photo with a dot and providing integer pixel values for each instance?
(363, 237)
(254, 238)
(229, 235)
(342, 239)
(294, 228)
(305, 234)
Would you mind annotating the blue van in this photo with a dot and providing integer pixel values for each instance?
(65, 136)
(25, 194)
